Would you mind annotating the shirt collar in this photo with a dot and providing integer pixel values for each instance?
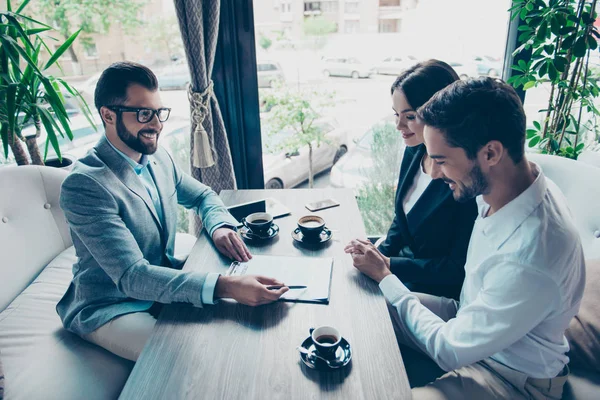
(499, 226)
(137, 167)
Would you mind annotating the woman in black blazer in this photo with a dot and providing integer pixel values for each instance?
(427, 243)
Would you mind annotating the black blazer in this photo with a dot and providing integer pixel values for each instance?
(428, 247)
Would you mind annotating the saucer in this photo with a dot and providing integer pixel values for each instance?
(323, 237)
(343, 355)
(249, 235)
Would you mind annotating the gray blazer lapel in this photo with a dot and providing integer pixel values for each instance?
(162, 184)
(125, 173)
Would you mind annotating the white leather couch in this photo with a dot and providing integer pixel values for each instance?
(41, 359)
(580, 183)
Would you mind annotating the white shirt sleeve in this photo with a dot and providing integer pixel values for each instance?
(513, 300)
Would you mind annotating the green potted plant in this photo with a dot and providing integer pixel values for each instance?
(560, 36)
(29, 95)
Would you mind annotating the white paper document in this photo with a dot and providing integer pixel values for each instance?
(312, 272)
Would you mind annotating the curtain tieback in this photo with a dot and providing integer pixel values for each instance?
(202, 156)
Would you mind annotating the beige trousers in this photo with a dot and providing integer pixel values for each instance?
(486, 379)
(124, 336)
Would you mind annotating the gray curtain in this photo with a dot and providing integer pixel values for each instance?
(210, 153)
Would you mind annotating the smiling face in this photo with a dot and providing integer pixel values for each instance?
(129, 135)
(407, 122)
(465, 177)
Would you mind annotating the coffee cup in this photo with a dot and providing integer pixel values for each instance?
(311, 226)
(326, 340)
(259, 223)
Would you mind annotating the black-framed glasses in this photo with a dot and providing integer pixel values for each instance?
(144, 115)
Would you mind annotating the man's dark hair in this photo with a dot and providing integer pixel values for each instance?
(112, 86)
(423, 80)
(472, 113)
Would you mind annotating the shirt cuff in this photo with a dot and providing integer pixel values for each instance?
(208, 289)
(392, 288)
(221, 225)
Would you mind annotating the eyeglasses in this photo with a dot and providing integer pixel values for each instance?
(144, 115)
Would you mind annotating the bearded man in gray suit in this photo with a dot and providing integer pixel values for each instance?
(121, 204)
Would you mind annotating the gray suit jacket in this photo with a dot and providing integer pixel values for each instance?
(123, 248)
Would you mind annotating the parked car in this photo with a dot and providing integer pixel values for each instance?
(464, 70)
(352, 171)
(286, 170)
(269, 73)
(347, 66)
(394, 65)
(488, 65)
(174, 77)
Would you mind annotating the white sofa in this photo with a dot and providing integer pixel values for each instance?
(41, 359)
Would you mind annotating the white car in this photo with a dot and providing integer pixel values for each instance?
(354, 168)
(347, 66)
(395, 65)
(286, 170)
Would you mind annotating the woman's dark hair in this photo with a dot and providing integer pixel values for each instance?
(111, 88)
(423, 80)
(472, 113)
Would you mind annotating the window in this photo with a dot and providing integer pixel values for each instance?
(351, 26)
(389, 3)
(312, 6)
(91, 51)
(389, 25)
(349, 74)
(330, 6)
(351, 8)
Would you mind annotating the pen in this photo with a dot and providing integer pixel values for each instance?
(291, 287)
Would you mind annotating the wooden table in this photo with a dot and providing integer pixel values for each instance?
(231, 351)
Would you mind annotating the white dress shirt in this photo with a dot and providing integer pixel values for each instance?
(524, 281)
(420, 183)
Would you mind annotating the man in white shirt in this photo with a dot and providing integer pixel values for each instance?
(525, 269)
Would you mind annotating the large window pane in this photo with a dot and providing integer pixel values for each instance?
(342, 57)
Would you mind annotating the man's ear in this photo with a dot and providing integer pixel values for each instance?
(492, 152)
(108, 116)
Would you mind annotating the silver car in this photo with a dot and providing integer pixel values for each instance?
(395, 65)
(347, 66)
(286, 170)
(269, 73)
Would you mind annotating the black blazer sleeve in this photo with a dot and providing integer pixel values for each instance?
(447, 270)
(394, 240)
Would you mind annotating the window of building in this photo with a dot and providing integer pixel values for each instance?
(351, 26)
(389, 25)
(351, 8)
(330, 6)
(312, 6)
(90, 50)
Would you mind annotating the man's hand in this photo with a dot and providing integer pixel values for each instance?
(368, 260)
(249, 289)
(229, 243)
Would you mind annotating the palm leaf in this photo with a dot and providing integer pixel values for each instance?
(22, 6)
(64, 47)
(4, 136)
(19, 28)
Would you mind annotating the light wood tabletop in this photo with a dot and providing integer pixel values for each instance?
(232, 351)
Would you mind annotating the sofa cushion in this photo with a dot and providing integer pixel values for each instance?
(1, 379)
(583, 333)
(582, 385)
(43, 360)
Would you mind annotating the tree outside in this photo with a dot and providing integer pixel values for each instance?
(376, 199)
(292, 122)
(319, 27)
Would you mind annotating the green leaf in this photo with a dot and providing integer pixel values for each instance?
(542, 31)
(535, 140)
(549, 49)
(579, 147)
(11, 92)
(554, 145)
(523, 65)
(560, 63)
(552, 72)
(529, 6)
(22, 6)
(17, 26)
(35, 31)
(591, 42)
(567, 42)
(60, 51)
(4, 136)
(537, 125)
(580, 47)
(531, 133)
(50, 125)
(555, 25)
(543, 69)
(529, 85)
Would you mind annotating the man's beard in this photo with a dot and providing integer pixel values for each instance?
(478, 185)
(133, 141)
